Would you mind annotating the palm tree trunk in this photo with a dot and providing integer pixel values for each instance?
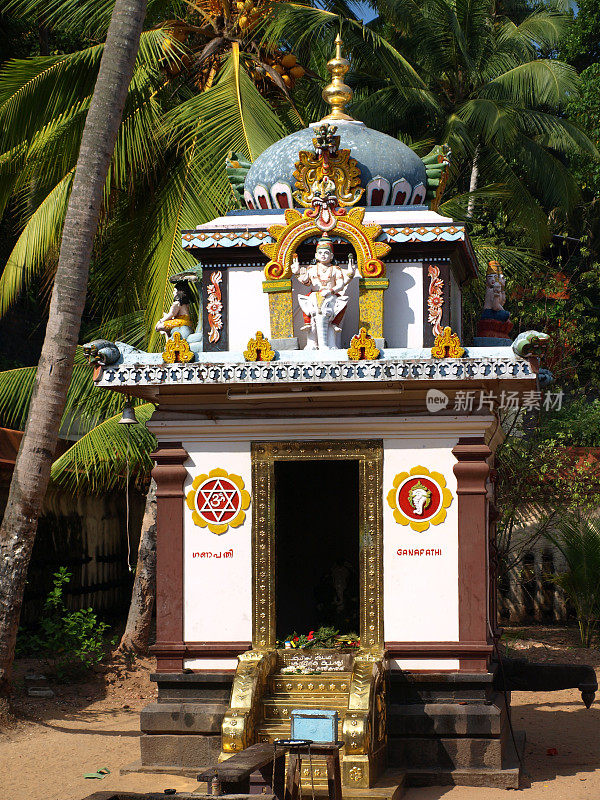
(474, 181)
(32, 468)
(139, 620)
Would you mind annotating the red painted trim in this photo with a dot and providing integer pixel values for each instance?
(472, 470)
(438, 649)
(215, 649)
(169, 474)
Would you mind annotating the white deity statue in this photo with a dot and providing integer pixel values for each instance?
(324, 308)
(495, 291)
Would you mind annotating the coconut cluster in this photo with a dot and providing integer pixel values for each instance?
(286, 65)
(239, 18)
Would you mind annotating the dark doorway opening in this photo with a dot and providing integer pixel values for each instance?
(317, 546)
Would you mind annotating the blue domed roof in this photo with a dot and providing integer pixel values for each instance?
(383, 161)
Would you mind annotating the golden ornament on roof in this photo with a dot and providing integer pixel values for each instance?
(362, 347)
(447, 345)
(259, 349)
(177, 350)
(337, 94)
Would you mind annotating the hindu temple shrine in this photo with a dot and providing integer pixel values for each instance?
(317, 467)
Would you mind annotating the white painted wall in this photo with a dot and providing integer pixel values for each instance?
(217, 591)
(248, 306)
(420, 592)
(225, 664)
(427, 664)
(403, 305)
(455, 305)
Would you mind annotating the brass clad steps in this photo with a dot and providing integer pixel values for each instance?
(289, 692)
(264, 695)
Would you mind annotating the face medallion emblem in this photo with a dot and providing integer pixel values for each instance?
(419, 498)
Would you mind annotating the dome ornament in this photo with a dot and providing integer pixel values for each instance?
(337, 94)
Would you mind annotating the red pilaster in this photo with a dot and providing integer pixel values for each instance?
(471, 472)
(169, 474)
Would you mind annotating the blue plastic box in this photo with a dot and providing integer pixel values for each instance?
(320, 725)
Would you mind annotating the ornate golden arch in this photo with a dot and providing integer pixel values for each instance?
(299, 227)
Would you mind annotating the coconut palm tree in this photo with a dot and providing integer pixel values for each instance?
(32, 467)
(488, 89)
(193, 97)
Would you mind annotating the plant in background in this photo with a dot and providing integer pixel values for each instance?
(71, 641)
(578, 539)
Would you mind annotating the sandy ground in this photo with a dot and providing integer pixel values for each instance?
(54, 742)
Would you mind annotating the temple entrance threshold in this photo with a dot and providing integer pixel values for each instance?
(317, 572)
(317, 535)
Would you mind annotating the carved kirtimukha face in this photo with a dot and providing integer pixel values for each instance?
(324, 255)
(419, 497)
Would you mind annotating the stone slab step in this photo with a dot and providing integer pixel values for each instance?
(190, 750)
(448, 753)
(406, 687)
(181, 718)
(445, 719)
(506, 777)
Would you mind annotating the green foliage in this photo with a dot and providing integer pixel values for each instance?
(71, 641)
(542, 476)
(577, 424)
(97, 462)
(86, 405)
(578, 539)
(581, 45)
(585, 110)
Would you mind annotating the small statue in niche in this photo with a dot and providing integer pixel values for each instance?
(495, 292)
(324, 308)
(494, 325)
(177, 317)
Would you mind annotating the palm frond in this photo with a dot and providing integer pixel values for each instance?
(16, 388)
(74, 16)
(517, 262)
(489, 120)
(231, 115)
(31, 254)
(540, 30)
(557, 133)
(540, 83)
(99, 461)
(85, 407)
(34, 91)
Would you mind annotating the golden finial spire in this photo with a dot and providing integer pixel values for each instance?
(337, 93)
